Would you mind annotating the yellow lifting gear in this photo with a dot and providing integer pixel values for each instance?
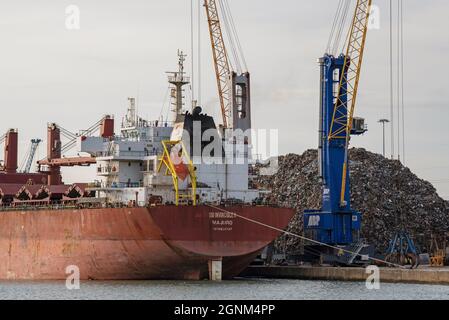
(167, 161)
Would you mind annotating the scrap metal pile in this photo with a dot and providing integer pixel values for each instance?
(389, 196)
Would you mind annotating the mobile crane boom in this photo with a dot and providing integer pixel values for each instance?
(342, 119)
(336, 223)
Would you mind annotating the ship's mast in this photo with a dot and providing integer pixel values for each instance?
(131, 115)
(178, 80)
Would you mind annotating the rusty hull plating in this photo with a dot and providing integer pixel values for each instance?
(165, 242)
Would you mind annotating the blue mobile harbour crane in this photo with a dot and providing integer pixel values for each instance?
(336, 224)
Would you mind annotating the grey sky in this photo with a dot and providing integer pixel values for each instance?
(123, 48)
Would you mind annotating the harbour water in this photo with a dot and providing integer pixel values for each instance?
(245, 289)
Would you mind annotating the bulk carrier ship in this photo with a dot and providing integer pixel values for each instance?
(156, 210)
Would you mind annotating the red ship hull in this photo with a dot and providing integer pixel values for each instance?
(166, 242)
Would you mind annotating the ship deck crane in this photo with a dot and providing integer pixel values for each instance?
(2, 138)
(336, 223)
(221, 61)
(29, 157)
(55, 150)
(233, 85)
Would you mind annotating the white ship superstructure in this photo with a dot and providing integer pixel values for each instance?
(139, 166)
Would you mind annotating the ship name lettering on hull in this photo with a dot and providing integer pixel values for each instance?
(222, 215)
(222, 221)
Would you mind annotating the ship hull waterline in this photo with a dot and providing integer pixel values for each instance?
(155, 243)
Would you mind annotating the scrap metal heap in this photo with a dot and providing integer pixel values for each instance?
(389, 194)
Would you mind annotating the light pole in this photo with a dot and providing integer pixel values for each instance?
(383, 122)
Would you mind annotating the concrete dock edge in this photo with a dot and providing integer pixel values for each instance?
(390, 275)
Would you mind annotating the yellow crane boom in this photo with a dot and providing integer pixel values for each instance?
(343, 116)
(221, 61)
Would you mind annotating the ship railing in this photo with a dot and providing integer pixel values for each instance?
(143, 124)
(62, 205)
(54, 205)
(239, 203)
(160, 124)
(115, 185)
(118, 153)
(95, 203)
(178, 78)
(124, 185)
